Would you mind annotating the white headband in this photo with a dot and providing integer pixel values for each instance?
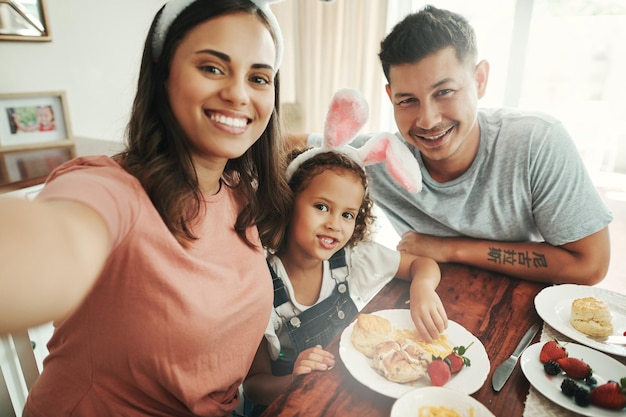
(348, 112)
(174, 7)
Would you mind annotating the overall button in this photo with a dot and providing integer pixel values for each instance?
(341, 288)
(341, 314)
(295, 322)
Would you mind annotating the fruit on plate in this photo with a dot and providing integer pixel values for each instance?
(438, 371)
(574, 368)
(611, 395)
(551, 351)
(581, 394)
(456, 360)
(552, 368)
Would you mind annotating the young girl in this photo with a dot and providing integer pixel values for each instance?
(151, 262)
(314, 298)
(44, 121)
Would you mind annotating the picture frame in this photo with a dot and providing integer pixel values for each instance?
(34, 119)
(24, 168)
(24, 20)
(35, 137)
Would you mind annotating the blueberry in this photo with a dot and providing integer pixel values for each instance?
(591, 381)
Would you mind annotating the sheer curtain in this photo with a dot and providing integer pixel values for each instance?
(328, 46)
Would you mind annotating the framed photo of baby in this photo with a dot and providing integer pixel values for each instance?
(35, 138)
(33, 118)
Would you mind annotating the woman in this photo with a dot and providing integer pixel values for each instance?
(151, 262)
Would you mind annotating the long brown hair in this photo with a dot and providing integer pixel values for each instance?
(157, 150)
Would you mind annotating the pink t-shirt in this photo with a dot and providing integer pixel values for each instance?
(165, 331)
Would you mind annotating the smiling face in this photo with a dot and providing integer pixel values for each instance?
(45, 116)
(221, 87)
(435, 103)
(324, 214)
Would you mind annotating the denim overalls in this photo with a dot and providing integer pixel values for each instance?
(319, 324)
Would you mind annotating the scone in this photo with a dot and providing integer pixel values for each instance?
(400, 360)
(591, 316)
(369, 331)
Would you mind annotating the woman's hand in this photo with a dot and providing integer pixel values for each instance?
(313, 359)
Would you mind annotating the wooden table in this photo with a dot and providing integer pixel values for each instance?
(495, 308)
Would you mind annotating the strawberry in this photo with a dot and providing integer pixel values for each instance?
(456, 360)
(610, 395)
(574, 368)
(438, 371)
(551, 351)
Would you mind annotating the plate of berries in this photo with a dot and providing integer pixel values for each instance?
(576, 377)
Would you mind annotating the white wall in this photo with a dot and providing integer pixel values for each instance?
(94, 57)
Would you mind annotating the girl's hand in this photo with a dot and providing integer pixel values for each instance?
(428, 315)
(313, 359)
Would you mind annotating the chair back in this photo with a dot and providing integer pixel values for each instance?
(18, 372)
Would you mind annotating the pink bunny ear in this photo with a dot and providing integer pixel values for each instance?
(348, 112)
(401, 165)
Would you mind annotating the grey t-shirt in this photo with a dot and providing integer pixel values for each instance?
(527, 183)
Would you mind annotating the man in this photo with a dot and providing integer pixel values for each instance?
(503, 190)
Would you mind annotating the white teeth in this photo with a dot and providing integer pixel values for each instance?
(434, 137)
(229, 121)
(328, 241)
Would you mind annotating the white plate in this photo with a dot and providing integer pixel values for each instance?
(554, 306)
(408, 405)
(604, 368)
(469, 380)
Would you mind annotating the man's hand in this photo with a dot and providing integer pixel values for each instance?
(419, 244)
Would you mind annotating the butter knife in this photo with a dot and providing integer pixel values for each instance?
(617, 340)
(504, 370)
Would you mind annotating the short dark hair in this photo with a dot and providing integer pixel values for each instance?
(426, 32)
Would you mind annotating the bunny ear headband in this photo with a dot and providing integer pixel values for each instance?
(348, 112)
(174, 7)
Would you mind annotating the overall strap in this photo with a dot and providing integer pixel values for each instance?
(338, 260)
(281, 296)
(280, 292)
(338, 266)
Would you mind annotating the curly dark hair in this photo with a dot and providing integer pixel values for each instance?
(338, 162)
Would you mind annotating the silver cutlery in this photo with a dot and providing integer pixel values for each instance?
(616, 340)
(504, 370)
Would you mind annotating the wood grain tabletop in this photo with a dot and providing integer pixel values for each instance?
(495, 308)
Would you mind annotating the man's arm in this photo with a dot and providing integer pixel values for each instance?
(584, 261)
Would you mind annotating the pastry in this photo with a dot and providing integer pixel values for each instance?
(591, 316)
(400, 360)
(369, 331)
